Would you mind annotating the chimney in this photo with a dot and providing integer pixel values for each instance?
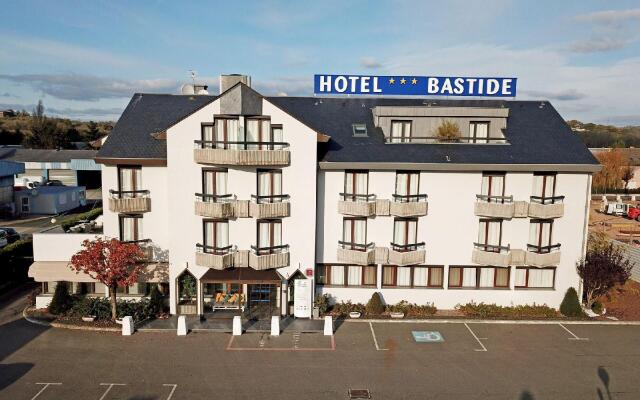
(228, 81)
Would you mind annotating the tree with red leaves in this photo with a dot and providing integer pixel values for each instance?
(110, 261)
(604, 267)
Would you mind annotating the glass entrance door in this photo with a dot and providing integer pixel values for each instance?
(262, 301)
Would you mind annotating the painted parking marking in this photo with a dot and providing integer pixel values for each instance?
(575, 337)
(230, 347)
(46, 385)
(477, 339)
(375, 340)
(427, 336)
(173, 389)
(110, 386)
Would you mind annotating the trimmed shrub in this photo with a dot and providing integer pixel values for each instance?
(71, 220)
(570, 306)
(322, 302)
(62, 300)
(375, 306)
(342, 308)
(412, 310)
(597, 307)
(100, 307)
(488, 311)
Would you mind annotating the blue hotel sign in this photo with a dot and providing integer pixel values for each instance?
(408, 85)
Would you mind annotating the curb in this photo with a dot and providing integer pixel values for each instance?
(34, 321)
(497, 322)
(66, 326)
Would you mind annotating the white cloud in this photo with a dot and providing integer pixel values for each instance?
(610, 17)
(370, 63)
(598, 44)
(611, 30)
(562, 95)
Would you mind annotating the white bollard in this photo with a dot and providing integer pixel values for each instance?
(182, 325)
(237, 326)
(328, 326)
(275, 325)
(127, 326)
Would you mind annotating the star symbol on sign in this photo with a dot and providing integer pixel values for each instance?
(403, 81)
(414, 81)
(392, 81)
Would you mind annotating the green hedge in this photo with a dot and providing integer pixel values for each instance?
(71, 220)
(101, 308)
(483, 310)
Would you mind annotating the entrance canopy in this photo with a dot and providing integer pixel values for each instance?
(242, 275)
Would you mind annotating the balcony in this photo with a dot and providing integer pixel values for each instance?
(215, 206)
(129, 201)
(487, 254)
(275, 206)
(542, 256)
(358, 254)
(408, 205)
(494, 206)
(241, 153)
(546, 207)
(269, 257)
(359, 205)
(410, 254)
(214, 257)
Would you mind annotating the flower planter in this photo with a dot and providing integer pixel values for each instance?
(397, 315)
(89, 318)
(354, 314)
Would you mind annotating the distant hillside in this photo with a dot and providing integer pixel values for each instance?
(595, 135)
(19, 130)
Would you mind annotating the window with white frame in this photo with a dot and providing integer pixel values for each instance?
(269, 237)
(542, 278)
(269, 186)
(259, 135)
(478, 277)
(346, 275)
(405, 234)
(214, 186)
(130, 228)
(418, 276)
(356, 185)
(354, 233)
(490, 235)
(479, 131)
(400, 131)
(540, 236)
(407, 187)
(129, 181)
(226, 134)
(216, 236)
(544, 188)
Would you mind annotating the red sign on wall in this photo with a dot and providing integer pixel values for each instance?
(309, 272)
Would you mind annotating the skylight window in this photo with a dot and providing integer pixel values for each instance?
(359, 130)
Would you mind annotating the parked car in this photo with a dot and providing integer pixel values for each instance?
(634, 213)
(617, 209)
(12, 235)
(3, 238)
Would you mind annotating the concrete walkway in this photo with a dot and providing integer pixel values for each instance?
(287, 324)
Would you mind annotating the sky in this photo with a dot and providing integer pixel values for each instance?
(86, 59)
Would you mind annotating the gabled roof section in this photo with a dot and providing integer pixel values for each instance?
(44, 155)
(145, 116)
(536, 133)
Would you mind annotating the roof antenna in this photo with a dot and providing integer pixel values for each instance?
(193, 76)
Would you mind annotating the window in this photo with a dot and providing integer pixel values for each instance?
(227, 134)
(400, 131)
(269, 237)
(212, 289)
(490, 235)
(277, 137)
(270, 186)
(259, 135)
(413, 276)
(137, 289)
(130, 228)
(24, 204)
(540, 236)
(535, 277)
(544, 188)
(493, 188)
(478, 277)
(129, 181)
(354, 234)
(214, 185)
(405, 234)
(479, 131)
(359, 130)
(346, 275)
(356, 185)
(215, 237)
(407, 187)
(62, 198)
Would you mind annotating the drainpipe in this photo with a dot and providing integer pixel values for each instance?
(585, 229)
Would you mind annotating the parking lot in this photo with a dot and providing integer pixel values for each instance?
(452, 360)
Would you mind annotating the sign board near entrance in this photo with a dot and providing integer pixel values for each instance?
(302, 298)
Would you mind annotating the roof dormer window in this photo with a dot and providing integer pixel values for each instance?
(359, 130)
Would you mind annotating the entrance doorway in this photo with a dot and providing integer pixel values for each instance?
(262, 301)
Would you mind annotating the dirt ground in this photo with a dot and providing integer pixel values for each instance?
(623, 302)
(615, 227)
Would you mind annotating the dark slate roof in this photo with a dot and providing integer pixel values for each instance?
(45, 155)
(536, 135)
(147, 114)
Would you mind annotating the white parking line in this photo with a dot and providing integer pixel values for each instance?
(46, 385)
(477, 339)
(375, 340)
(572, 334)
(111, 385)
(173, 389)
